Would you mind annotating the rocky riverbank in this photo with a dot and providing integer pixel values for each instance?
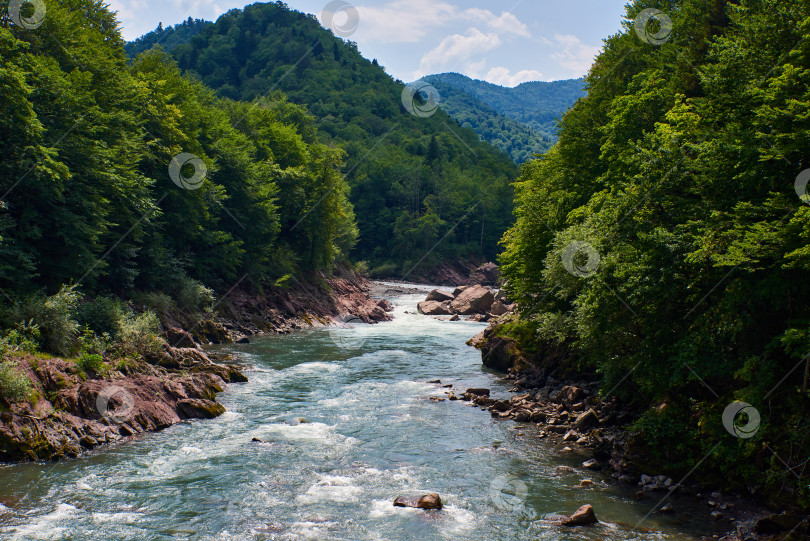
(69, 411)
(571, 413)
(319, 302)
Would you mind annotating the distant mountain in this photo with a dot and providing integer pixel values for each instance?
(520, 121)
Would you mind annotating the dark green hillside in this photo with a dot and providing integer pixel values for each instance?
(535, 104)
(518, 140)
(87, 198)
(415, 182)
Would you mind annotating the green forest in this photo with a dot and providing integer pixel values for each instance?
(657, 235)
(663, 241)
(413, 180)
(521, 142)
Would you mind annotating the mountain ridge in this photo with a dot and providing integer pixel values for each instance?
(521, 120)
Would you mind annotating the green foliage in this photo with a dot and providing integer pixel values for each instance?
(55, 318)
(14, 384)
(678, 168)
(138, 333)
(90, 363)
(156, 301)
(166, 38)
(100, 315)
(23, 338)
(193, 297)
(410, 180)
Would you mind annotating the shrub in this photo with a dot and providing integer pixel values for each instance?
(24, 338)
(14, 385)
(101, 315)
(384, 271)
(90, 363)
(55, 318)
(97, 343)
(192, 296)
(156, 301)
(362, 268)
(137, 333)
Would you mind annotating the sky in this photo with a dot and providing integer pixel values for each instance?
(506, 43)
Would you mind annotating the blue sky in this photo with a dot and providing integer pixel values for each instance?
(505, 43)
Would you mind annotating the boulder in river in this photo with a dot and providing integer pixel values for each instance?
(386, 305)
(457, 291)
(583, 516)
(473, 300)
(427, 501)
(487, 274)
(433, 308)
(439, 295)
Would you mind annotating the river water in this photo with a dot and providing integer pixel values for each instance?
(346, 426)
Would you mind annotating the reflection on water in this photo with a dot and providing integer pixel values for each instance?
(344, 424)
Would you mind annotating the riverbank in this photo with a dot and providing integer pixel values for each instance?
(69, 410)
(572, 411)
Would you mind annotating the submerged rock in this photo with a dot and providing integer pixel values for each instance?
(427, 501)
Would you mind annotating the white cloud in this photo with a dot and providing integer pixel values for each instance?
(505, 24)
(502, 76)
(455, 53)
(410, 21)
(574, 55)
(403, 21)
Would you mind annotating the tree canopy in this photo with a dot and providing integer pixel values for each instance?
(661, 241)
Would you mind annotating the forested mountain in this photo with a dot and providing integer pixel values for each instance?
(166, 38)
(536, 104)
(664, 243)
(99, 188)
(518, 140)
(415, 180)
